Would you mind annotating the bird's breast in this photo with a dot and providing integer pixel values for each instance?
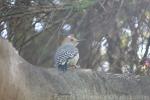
(74, 60)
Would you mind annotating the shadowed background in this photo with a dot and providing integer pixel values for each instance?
(116, 32)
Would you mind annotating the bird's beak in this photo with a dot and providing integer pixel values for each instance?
(81, 40)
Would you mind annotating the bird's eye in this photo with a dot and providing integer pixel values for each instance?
(71, 39)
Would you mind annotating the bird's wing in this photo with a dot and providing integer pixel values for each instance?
(64, 53)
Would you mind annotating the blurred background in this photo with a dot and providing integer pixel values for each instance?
(116, 33)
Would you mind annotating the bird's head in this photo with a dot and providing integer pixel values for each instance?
(71, 39)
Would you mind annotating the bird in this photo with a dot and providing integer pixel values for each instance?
(67, 54)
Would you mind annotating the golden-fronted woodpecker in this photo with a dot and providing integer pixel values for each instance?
(67, 55)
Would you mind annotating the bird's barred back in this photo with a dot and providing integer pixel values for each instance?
(64, 53)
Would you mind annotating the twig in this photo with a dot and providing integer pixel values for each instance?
(34, 10)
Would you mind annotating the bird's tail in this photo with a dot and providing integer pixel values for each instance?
(62, 67)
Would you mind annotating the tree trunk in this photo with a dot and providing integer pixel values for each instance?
(20, 80)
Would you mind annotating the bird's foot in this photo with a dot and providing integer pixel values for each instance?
(74, 67)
